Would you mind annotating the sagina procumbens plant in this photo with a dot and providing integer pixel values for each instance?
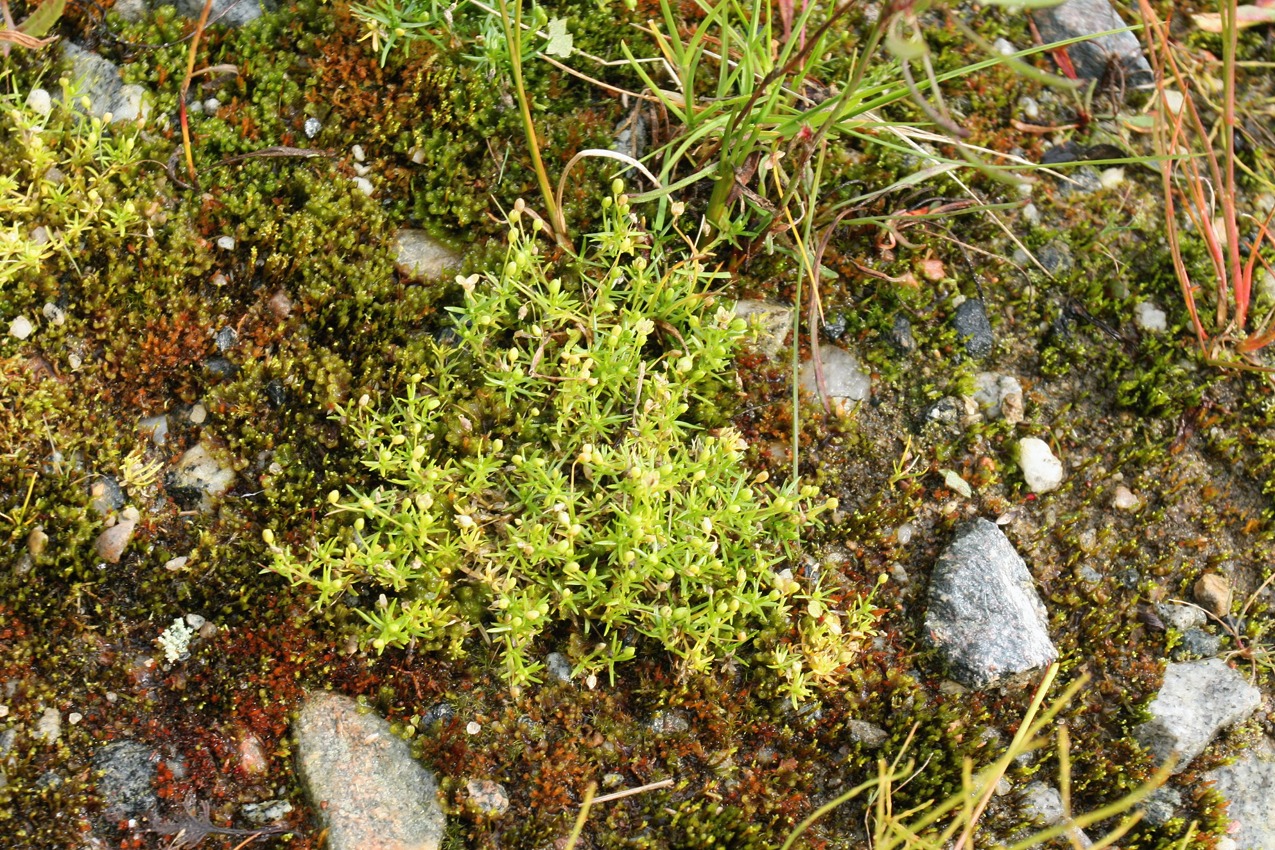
(556, 468)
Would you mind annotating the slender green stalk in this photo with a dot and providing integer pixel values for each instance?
(513, 37)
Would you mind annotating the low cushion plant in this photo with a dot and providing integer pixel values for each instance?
(559, 465)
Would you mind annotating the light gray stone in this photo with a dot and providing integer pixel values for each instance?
(1179, 615)
(870, 735)
(1249, 784)
(771, 321)
(99, 80)
(1197, 701)
(198, 470)
(231, 13)
(1150, 318)
(984, 614)
(126, 777)
(558, 666)
(488, 797)
(422, 257)
(364, 784)
(843, 377)
(48, 728)
(999, 396)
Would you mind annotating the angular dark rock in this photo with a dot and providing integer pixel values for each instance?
(1095, 58)
(984, 614)
(974, 329)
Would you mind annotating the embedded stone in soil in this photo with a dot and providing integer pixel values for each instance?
(362, 780)
(984, 614)
(1197, 701)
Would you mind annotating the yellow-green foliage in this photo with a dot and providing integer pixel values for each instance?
(552, 468)
(67, 169)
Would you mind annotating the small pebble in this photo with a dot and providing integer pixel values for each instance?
(112, 542)
(1111, 177)
(21, 328)
(418, 156)
(198, 413)
(489, 797)
(1125, 500)
(280, 304)
(365, 186)
(1041, 470)
(156, 427)
(1213, 593)
(559, 667)
(49, 727)
(1150, 318)
(54, 313)
(473, 727)
(226, 243)
(267, 811)
(312, 127)
(74, 717)
(225, 339)
(37, 540)
(175, 564)
(211, 105)
(359, 155)
(196, 621)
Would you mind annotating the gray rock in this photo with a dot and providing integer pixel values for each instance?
(1056, 257)
(362, 781)
(488, 797)
(1197, 701)
(1249, 784)
(984, 614)
(48, 728)
(999, 396)
(155, 427)
(422, 257)
(198, 472)
(669, 722)
(439, 712)
(772, 323)
(1042, 804)
(1198, 643)
(1179, 615)
(1083, 180)
(901, 334)
(843, 377)
(232, 13)
(130, 10)
(105, 495)
(1093, 58)
(225, 339)
(868, 734)
(558, 666)
(974, 329)
(266, 811)
(127, 777)
(1161, 806)
(99, 79)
